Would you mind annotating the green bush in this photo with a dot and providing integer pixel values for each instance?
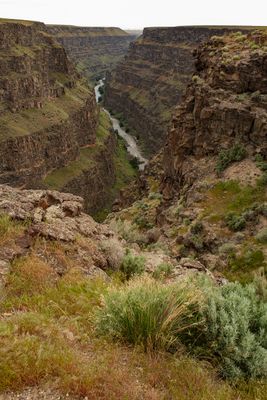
(197, 227)
(227, 249)
(226, 157)
(132, 265)
(162, 271)
(149, 313)
(134, 162)
(251, 259)
(262, 236)
(236, 330)
(235, 222)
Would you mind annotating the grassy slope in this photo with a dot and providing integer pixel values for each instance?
(123, 169)
(41, 317)
(53, 112)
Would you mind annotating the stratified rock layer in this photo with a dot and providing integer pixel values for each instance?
(46, 112)
(150, 81)
(226, 104)
(95, 50)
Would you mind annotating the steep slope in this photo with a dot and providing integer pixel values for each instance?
(95, 50)
(204, 197)
(150, 81)
(51, 133)
(47, 112)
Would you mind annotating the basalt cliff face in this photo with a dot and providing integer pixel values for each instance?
(150, 81)
(203, 196)
(47, 113)
(225, 104)
(95, 50)
(51, 132)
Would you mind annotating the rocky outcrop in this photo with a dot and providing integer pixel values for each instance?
(224, 105)
(147, 85)
(54, 217)
(95, 50)
(46, 111)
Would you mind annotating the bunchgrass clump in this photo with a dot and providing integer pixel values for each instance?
(162, 271)
(149, 313)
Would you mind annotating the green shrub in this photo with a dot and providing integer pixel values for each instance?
(149, 313)
(132, 265)
(134, 162)
(162, 271)
(227, 248)
(197, 227)
(262, 181)
(236, 330)
(262, 236)
(235, 222)
(226, 157)
(251, 258)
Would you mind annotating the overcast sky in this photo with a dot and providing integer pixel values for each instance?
(138, 13)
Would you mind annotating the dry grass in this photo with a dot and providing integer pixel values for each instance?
(9, 229)
(47, 335)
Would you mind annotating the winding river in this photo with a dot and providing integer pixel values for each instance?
(131, 145)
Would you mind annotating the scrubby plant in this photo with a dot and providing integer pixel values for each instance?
(132, 265)
(134, 162)
(250, 259)
(149, 313)
(162, 271)
(235, 222)
(262, 181)
(236, 330)
(227, 248)
(155, 196)
(262, 236)
(197, 227)
(226, 157)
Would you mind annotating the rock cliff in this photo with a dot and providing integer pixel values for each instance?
(47, 112)
(150, 81)
(204, 195)
(224, 105)
(95, 50)
(51, 132)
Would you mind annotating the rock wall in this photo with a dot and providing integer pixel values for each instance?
(150, 81)
(94, 184)
(95, 50)
(225, 104)
(46, 111)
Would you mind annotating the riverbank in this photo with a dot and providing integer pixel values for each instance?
(130, 142)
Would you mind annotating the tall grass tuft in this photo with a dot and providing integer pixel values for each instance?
(150, 314)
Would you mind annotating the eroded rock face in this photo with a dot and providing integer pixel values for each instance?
(225, 104)
(46, 111)
(150, 81)
(57, 218)
(96, 50)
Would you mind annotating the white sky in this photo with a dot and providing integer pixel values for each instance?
(138, 13)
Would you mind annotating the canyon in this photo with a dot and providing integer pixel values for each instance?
(95, 50)
(146, 86)
(167, 277)
(52, 132)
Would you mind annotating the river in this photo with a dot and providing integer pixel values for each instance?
(131, 144)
